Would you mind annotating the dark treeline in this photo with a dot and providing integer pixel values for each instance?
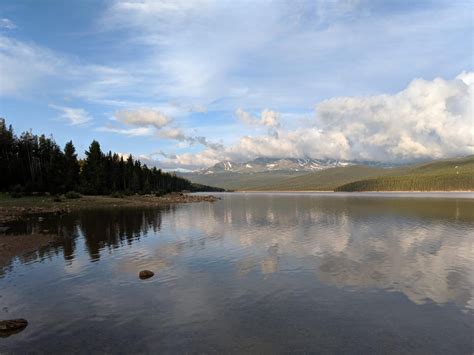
(31, 163)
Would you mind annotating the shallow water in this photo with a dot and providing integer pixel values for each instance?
(255, 272)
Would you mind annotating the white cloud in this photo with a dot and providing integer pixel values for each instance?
(131, 132)
(198, 56)
(148, 11)
(178, 134)
(7, 23)
(284, 55)
(75, 116)
(24, 65)
(267, 118)
(148, 121)
(30, 70)
(173, 133)
(143, 117)
(428, 119)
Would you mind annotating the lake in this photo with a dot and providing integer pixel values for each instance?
(252, 273)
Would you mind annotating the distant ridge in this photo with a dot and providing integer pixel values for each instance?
(445, 175)
(441, 175)
(279, 164)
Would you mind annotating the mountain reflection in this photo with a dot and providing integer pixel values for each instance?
(421, 247)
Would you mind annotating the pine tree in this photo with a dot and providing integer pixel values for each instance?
(7, 155)
(37, 164)
(93, 174)
(71, 167)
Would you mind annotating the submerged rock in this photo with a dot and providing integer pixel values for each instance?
(145, 274)
(12, 326)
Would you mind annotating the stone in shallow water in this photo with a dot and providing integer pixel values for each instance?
(145, 274)
(12, 326)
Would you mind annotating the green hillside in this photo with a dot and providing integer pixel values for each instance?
(442, 175)
(324, 180)
(445, 175)
(240, 181)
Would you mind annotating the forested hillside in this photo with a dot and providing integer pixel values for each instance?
(324, 180)
(239, 181)
(31, 163)
(445, 175)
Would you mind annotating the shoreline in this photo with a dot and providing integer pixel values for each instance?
(371, 191)
(12, 209)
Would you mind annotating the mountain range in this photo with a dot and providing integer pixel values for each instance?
(269, 174)
(281, 164)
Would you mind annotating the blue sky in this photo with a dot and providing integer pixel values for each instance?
(184, 84)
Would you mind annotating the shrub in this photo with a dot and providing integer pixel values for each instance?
(17, 191)
(72, 195)
(57, 198)
(116, 194)
(160, 193)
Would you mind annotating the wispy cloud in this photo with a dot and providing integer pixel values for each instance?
(25, 65)
(75, 116)
(7, 23)
(131, 132)
(276, 54)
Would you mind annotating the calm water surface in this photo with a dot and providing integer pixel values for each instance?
(252, 273)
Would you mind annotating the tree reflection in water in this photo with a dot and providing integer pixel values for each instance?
(102, 229)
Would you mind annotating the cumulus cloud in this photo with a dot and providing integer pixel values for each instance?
(148, 122)
(75, 116)
(143, 117)
(190, 161)
(428, 119)
(267, 118)
(144, 122)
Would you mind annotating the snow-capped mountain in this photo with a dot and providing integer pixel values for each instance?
(274, 164)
